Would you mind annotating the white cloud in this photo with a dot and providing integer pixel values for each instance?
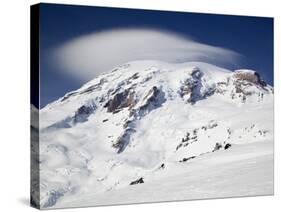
(87, 56)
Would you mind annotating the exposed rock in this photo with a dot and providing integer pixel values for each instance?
(133, 77)
(217, 147)
(151, 96)
(162, 166)
(123, 140)
(228, 145)
(65, 123)
(250, 76)
(138, 181)
(190, 85)
(186, 159)
(243, 83)
(82, 114)
(187, 140)
(121, 100)
(191, 90)
(221, 87)
(212, 124)
(152, 100)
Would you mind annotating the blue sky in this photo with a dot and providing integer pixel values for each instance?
(251, 37)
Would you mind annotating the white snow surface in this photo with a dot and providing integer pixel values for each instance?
(183, 131)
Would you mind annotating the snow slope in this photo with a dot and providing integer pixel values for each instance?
(209, 176)
(114, 134)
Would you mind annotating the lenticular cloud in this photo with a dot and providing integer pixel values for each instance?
(87, 56)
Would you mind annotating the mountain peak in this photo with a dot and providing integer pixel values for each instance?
(126, 85)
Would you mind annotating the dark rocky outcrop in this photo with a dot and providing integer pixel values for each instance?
(217, 147)
(244, 79)
(138, 181)
(186, 159)
(152, 100)
(250, 76)
(184, 141)
(121, 100)
(192, 87)
(240, 82)
(80, 115)
(228, 145)
(192, 135)
(83, 112)
(123, 140)
(133, 77)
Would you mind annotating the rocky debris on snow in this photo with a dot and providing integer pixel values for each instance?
(138, 181)
(228, 145)
(217, 147)
(192, 135)
(162, 166)
(187, 159)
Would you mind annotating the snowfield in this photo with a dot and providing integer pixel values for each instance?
(238, 172)
(152, 131)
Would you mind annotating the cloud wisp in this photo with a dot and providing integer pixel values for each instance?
(90, 55)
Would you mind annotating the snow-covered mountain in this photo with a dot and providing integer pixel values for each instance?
(146, 121)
